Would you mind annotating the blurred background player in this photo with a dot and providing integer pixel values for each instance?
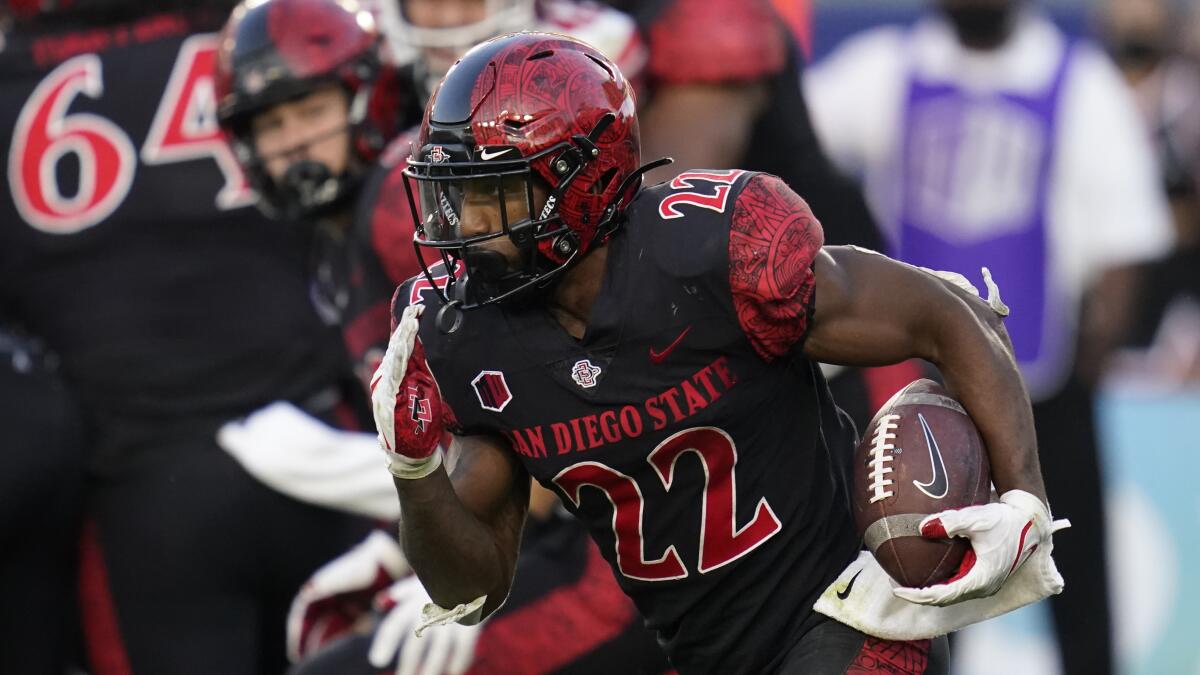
(290, 113)
(1147, 39)
(432, 34)
(728, 72)
(975, 133)
(40, 500)
(128, 243)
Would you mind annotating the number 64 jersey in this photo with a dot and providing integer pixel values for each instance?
(686, 429)
(128, 239)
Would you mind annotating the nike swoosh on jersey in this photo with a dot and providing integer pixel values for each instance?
(938, 485)
(486, 155)
(657, 357)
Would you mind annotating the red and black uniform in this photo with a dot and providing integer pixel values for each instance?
(127, 242)
(564, 614)
(686, 430)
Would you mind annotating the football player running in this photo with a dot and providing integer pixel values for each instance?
(312, 105)
(650, 354)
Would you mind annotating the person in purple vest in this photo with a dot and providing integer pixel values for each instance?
(985, 137)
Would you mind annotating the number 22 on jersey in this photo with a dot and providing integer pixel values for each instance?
(721, 540)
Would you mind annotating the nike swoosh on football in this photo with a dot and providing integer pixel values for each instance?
(485, 154)
(845, 592)
(657, 357)
(938, 484)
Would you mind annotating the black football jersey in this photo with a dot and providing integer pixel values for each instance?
(129, 242)
(686, 429)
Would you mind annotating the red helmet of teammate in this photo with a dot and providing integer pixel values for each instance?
(514, 110)
(272, 51)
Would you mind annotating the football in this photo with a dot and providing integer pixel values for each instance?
(921, 454)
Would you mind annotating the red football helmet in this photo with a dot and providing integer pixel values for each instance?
(525, 107)
(273, 51)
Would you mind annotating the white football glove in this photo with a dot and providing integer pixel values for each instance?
(341, 593)
(408, 409)
(1003, 535)
(441, 650)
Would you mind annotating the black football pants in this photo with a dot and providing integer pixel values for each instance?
(41, 460)
(1069, 452)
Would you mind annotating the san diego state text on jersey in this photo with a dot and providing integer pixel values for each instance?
(686, 429)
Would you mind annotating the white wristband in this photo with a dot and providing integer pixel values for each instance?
(411, 469)
(1037, 508)
(1028, 503)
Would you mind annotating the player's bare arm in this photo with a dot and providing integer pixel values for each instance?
(871, 310)
(461, 532)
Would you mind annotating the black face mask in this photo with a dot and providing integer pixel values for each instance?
(982, 27)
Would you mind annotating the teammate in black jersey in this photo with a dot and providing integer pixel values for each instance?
(129, 244)
(310, 104)
(650, 355)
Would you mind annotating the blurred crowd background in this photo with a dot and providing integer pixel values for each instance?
(108, 451)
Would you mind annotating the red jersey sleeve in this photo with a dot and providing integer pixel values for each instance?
(772, 244)
(713, 41)
(392, 226)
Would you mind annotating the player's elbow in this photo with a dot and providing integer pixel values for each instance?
(963, 317)
(991, 320)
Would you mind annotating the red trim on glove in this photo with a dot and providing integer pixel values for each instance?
(1021, 545)
(934, 529)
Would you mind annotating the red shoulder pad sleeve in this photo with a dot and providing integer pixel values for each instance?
(772, 244)
(715, 41)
